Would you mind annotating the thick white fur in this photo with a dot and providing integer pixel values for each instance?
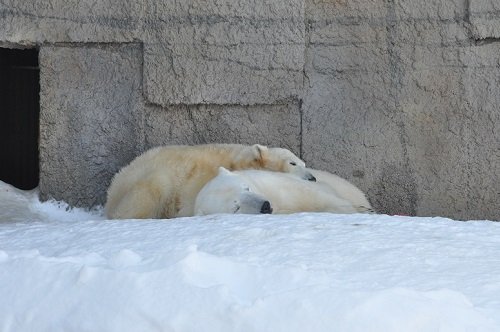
(164, 181)
(287, 193)
(344, 189)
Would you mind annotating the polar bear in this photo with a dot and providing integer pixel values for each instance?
(163, 182)
(242, 192)
(344, 189)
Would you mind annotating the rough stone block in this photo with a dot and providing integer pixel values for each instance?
(360, 138)
(224, 52)
(429, 10)
(90, 124)
(346, 10)
(350, 94)
(339, 33)
(481, 120)
(34, 22)
(223, 8)
(407, 102)
(453, 139)
(338, 59)
(483, 56)
(244, 75)
(485, 18)
(272, 125)
(432, 33)
(434, 140)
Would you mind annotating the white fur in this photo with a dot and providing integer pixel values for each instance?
(164, 181)
(226, 193)
(287, 193)
(344, 189)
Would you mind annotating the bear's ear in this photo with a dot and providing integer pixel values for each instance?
(261, 151)
(223, 171)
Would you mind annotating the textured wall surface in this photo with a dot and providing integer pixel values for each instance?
(242, 52)
(400, 97)
(95, 120)
(90, 119)
(484, 16)
(408, 92)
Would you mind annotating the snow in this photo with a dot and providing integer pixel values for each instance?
(65, 269)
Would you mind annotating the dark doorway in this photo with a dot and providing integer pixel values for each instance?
(19, 113)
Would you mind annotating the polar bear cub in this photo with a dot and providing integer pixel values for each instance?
(229, 192)
(164, 181)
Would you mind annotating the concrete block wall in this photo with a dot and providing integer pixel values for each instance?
(409, 93)
(400, 97)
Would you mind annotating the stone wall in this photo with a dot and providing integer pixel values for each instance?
(400, 97)
(408, 91)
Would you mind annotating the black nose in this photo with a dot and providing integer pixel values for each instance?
(266, 208)
(311, 178)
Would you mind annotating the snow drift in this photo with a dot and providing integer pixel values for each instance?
(66, 269)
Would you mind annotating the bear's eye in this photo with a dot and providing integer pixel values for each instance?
(293, 163)
(246, 188)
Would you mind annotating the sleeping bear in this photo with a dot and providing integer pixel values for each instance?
(164, 181)
(258, 191)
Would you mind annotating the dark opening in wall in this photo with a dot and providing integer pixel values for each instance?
(19, 117)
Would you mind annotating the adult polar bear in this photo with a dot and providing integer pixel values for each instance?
(163, 182)
(243, 191)
(344, 189)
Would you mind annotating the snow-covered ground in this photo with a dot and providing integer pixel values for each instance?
(71, 270)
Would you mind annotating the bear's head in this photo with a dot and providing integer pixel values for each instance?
(228, 193)
(282, 160)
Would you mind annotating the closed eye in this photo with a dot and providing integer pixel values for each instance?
(293, 163)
